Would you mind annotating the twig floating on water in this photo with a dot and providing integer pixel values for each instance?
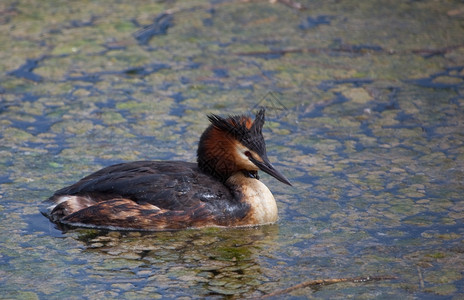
(289, 3)
(328, 281)
(421, 278)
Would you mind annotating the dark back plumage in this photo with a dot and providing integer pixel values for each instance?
(122, 194)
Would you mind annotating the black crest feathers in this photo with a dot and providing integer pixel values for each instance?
(257, 126)
(239, 128)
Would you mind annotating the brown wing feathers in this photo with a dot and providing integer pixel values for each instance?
(126, 214)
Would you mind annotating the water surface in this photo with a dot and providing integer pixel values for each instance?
(364, 115)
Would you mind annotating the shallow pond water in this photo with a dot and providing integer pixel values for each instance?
(364, 115)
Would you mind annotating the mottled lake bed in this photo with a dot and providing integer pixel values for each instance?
(365, 115)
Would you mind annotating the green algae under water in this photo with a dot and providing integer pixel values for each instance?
(364, 115)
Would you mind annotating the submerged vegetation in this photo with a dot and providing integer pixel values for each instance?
(364, 115)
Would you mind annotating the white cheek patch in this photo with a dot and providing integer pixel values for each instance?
(73, 203)
(58, 202)
(242, 159)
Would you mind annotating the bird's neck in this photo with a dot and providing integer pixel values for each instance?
(215, 154)
(253, 192)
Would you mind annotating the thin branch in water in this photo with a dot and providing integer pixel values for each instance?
(317, 282)
(290, 3)
(355, 50)
(421, 278)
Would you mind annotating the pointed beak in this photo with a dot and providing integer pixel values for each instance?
(266, 166)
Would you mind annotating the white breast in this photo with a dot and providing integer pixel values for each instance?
(260, 198)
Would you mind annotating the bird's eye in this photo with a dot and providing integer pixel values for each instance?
(247, 154)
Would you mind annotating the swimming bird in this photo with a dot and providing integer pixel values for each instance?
(222, 189)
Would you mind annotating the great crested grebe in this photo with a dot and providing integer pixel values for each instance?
(221, 189)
